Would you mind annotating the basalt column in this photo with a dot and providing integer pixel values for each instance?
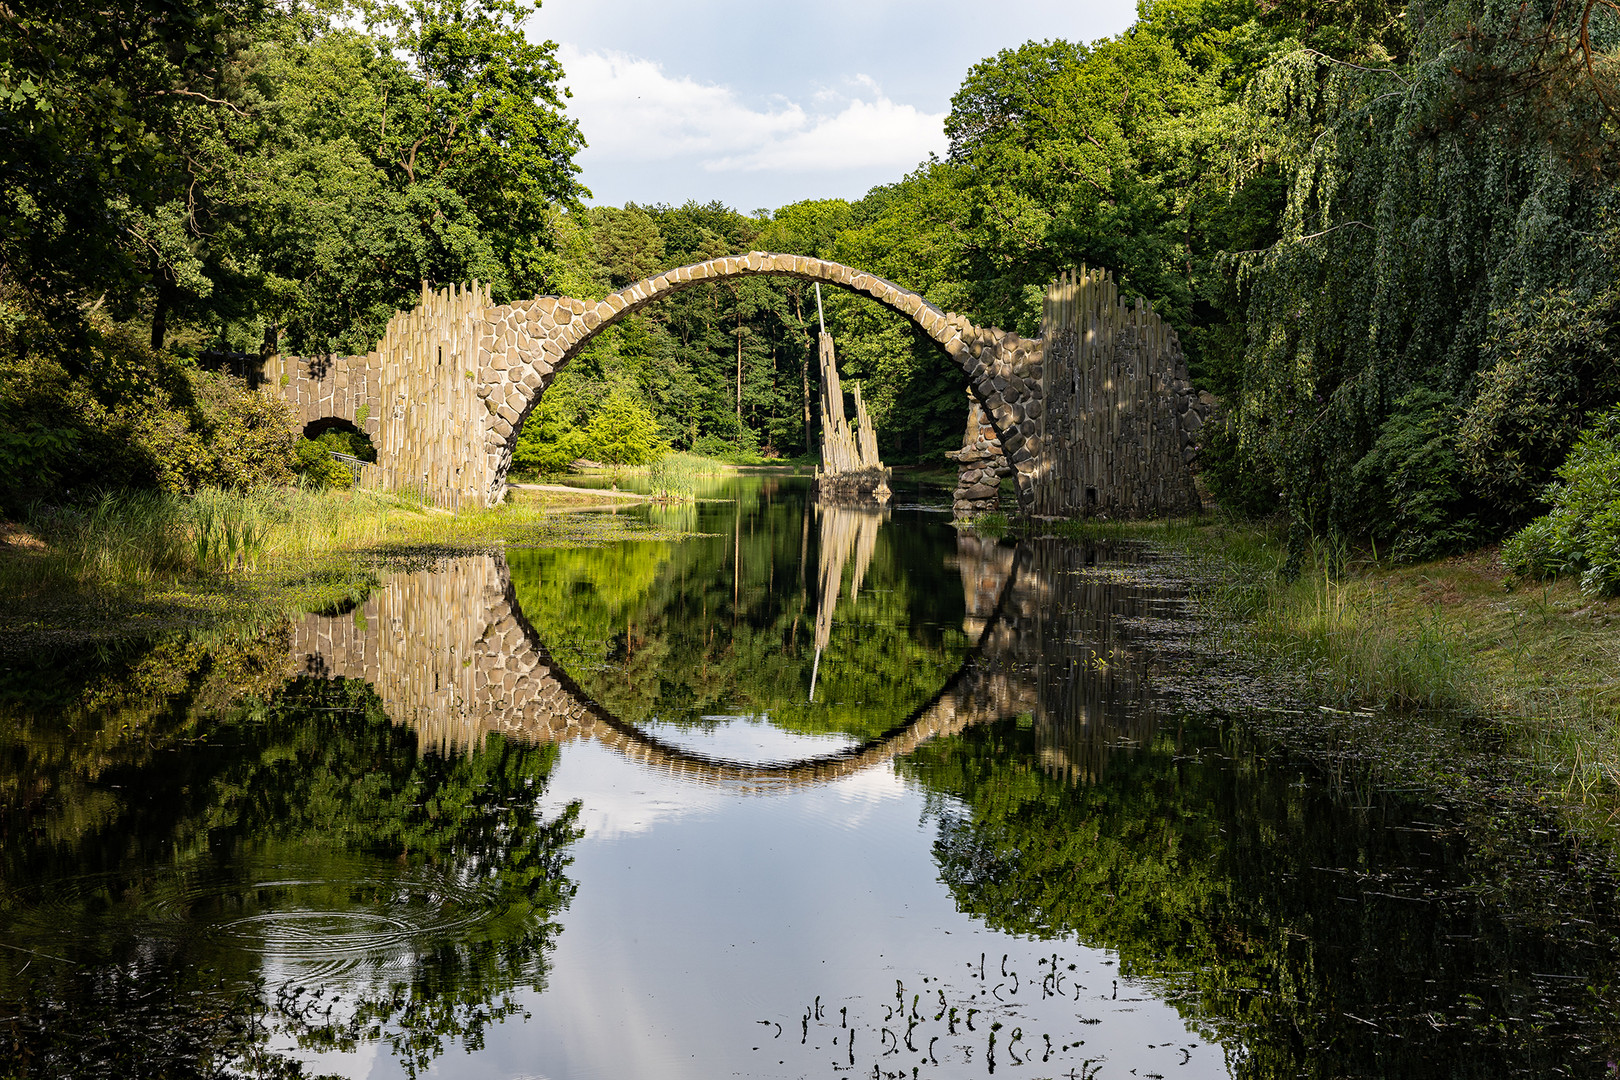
(850, 468)
(1121, 422)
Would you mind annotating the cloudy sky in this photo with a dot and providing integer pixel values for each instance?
(760, 103)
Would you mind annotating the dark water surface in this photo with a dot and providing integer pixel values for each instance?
(817, 793)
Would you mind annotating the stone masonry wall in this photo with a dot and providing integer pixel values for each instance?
(326, 387)
(982, 465)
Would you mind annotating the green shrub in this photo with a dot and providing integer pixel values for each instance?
(112, 412)
(1409, 483)
(1581, 534)
(214, 433)
(1554, 363)
(624, 431)
(1242, 485)
(318, 469)
(33, 456)
(544, 453)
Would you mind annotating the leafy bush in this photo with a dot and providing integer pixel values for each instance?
(1554, 362)
(624, 431)
(1581, 534)
(317, 468)
(33, 455)
(1242, 485)
(1409, 482)
(111, 412)
(212, 432)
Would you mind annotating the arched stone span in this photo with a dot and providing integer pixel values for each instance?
(1095, 416)
(525, 344)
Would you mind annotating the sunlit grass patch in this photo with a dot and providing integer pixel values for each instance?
(127, 555)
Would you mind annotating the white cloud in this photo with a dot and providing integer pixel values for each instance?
(865, 134)
(632, 112)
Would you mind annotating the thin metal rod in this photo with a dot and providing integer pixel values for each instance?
(822, 318)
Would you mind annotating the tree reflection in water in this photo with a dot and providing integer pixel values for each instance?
(194, 888)
(1311, 935)
(732, 622)
(300, 873)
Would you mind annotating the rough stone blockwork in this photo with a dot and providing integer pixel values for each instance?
(978, 483)
(327, 388)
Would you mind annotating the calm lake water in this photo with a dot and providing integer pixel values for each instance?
(818, 792)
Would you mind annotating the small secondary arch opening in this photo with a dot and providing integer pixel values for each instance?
(330, 451)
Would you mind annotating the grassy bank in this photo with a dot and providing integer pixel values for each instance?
(1539, 661)
(129, 557)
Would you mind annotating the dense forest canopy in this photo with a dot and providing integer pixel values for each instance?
(1387, 235)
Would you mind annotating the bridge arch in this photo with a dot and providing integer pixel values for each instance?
(525, 344)
(1097, 415)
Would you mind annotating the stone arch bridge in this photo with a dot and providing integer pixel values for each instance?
(451, 655)
(445, 392)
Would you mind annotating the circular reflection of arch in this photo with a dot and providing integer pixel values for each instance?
(972, 693)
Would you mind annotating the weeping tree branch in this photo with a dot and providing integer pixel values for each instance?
(1589, 54)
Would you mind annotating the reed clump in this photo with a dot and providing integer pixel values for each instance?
(1340, 629)
(136, 542)
(680, 476)
(134, 539)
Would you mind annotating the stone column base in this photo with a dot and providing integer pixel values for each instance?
(856, 485)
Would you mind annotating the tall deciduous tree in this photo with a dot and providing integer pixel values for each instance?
(434, 145)
(120, 123)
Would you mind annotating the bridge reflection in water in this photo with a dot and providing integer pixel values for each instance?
(1059, 636)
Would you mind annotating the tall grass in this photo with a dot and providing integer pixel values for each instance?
(137, 538)
(678, 475)
(1334, 625)
(129, 540)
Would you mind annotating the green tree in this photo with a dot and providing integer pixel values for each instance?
(126, 127)
(1440, 234)
(623, 431)
(432, 145)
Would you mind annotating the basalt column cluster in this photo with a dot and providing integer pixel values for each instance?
(1122, 421)
(1095, 418)
(850, 469)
